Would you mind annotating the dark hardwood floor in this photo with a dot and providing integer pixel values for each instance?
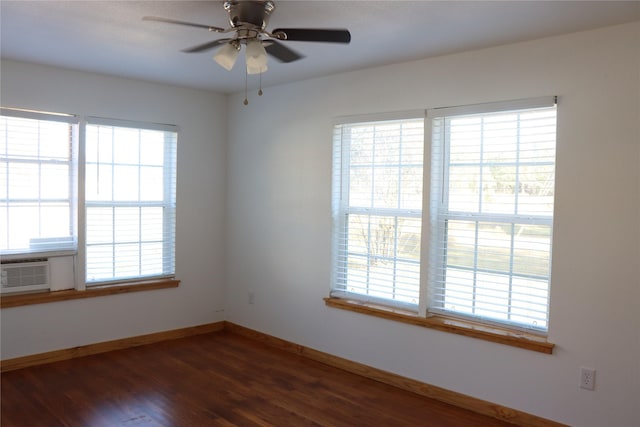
(218, 379)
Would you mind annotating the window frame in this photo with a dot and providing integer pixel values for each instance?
(63, 245)
(78, 217)
(168, 204)
(425, 315)
(341, 207)
(438, 211)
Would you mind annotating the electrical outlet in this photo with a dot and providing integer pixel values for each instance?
(251, 297)
(587, 378)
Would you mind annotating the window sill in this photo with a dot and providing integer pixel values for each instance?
(7, 301)
(447, 324)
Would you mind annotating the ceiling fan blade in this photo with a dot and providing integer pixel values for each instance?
(206, 46)
(281, 52)
(313, 35)
(188, 24)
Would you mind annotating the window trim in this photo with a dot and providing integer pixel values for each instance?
(468, 328)
(18, 300)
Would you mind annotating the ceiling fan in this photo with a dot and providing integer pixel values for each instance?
(248, 21)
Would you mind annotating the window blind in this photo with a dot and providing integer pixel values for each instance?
(130, 200)
(377, 210)
(38, 200)
(493, 180)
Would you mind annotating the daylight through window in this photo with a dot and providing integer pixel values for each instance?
(377, 205)
(114, 211)
(37, 182)
(492, 213)
(491, 182)
(130, 201)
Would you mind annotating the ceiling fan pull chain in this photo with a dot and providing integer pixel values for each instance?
(246, 76)
(260, 90)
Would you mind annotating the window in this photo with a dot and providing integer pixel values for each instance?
(377, 203)
(489, 219)
(37, 182)
(130, 201)
(114, 209)
(492, 212)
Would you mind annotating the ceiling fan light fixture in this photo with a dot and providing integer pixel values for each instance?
(256, 70)
(256, 57)
(227, 55)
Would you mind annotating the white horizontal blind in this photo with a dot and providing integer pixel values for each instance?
(37, 182)
(377, 210)
(130, 199)
(493, 179)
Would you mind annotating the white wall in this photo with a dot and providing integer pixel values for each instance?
(279, 222)
(201, 197)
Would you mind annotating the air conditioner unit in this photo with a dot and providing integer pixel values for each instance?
(24, 275)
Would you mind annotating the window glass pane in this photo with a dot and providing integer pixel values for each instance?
(411, 187)
(22, 138)
(408, 277)
(464, 188)
(457, 295)
(99, 225)
(4, 180)
(54, 181)
(536, 190)
(360, 145)
(408, 238)
(530, 301)
(126, 227)
(102, 265)
(494, 247)
(385, 187)
(531, 249)
(55, 140)
(99, 144)
(151, 224)
(126, 148)
(4, 232)
(461, 243)
(151, 183)
(150, 140)
(99, 182)
(24, 220)
(127, 260)
(387, 145)
(151, 257)
(499, 183)
(358, 240)
(499, 138)
(463, 136)
(492, 296)
(24, 181)
(125, 183)
(360, 186)
(357, 275)
(54, 220)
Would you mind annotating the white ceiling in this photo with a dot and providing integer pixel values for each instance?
(109, 36)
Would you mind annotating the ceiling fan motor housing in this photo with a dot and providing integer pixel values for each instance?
(252, 14)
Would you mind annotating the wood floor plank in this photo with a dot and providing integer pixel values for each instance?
(214, 379)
